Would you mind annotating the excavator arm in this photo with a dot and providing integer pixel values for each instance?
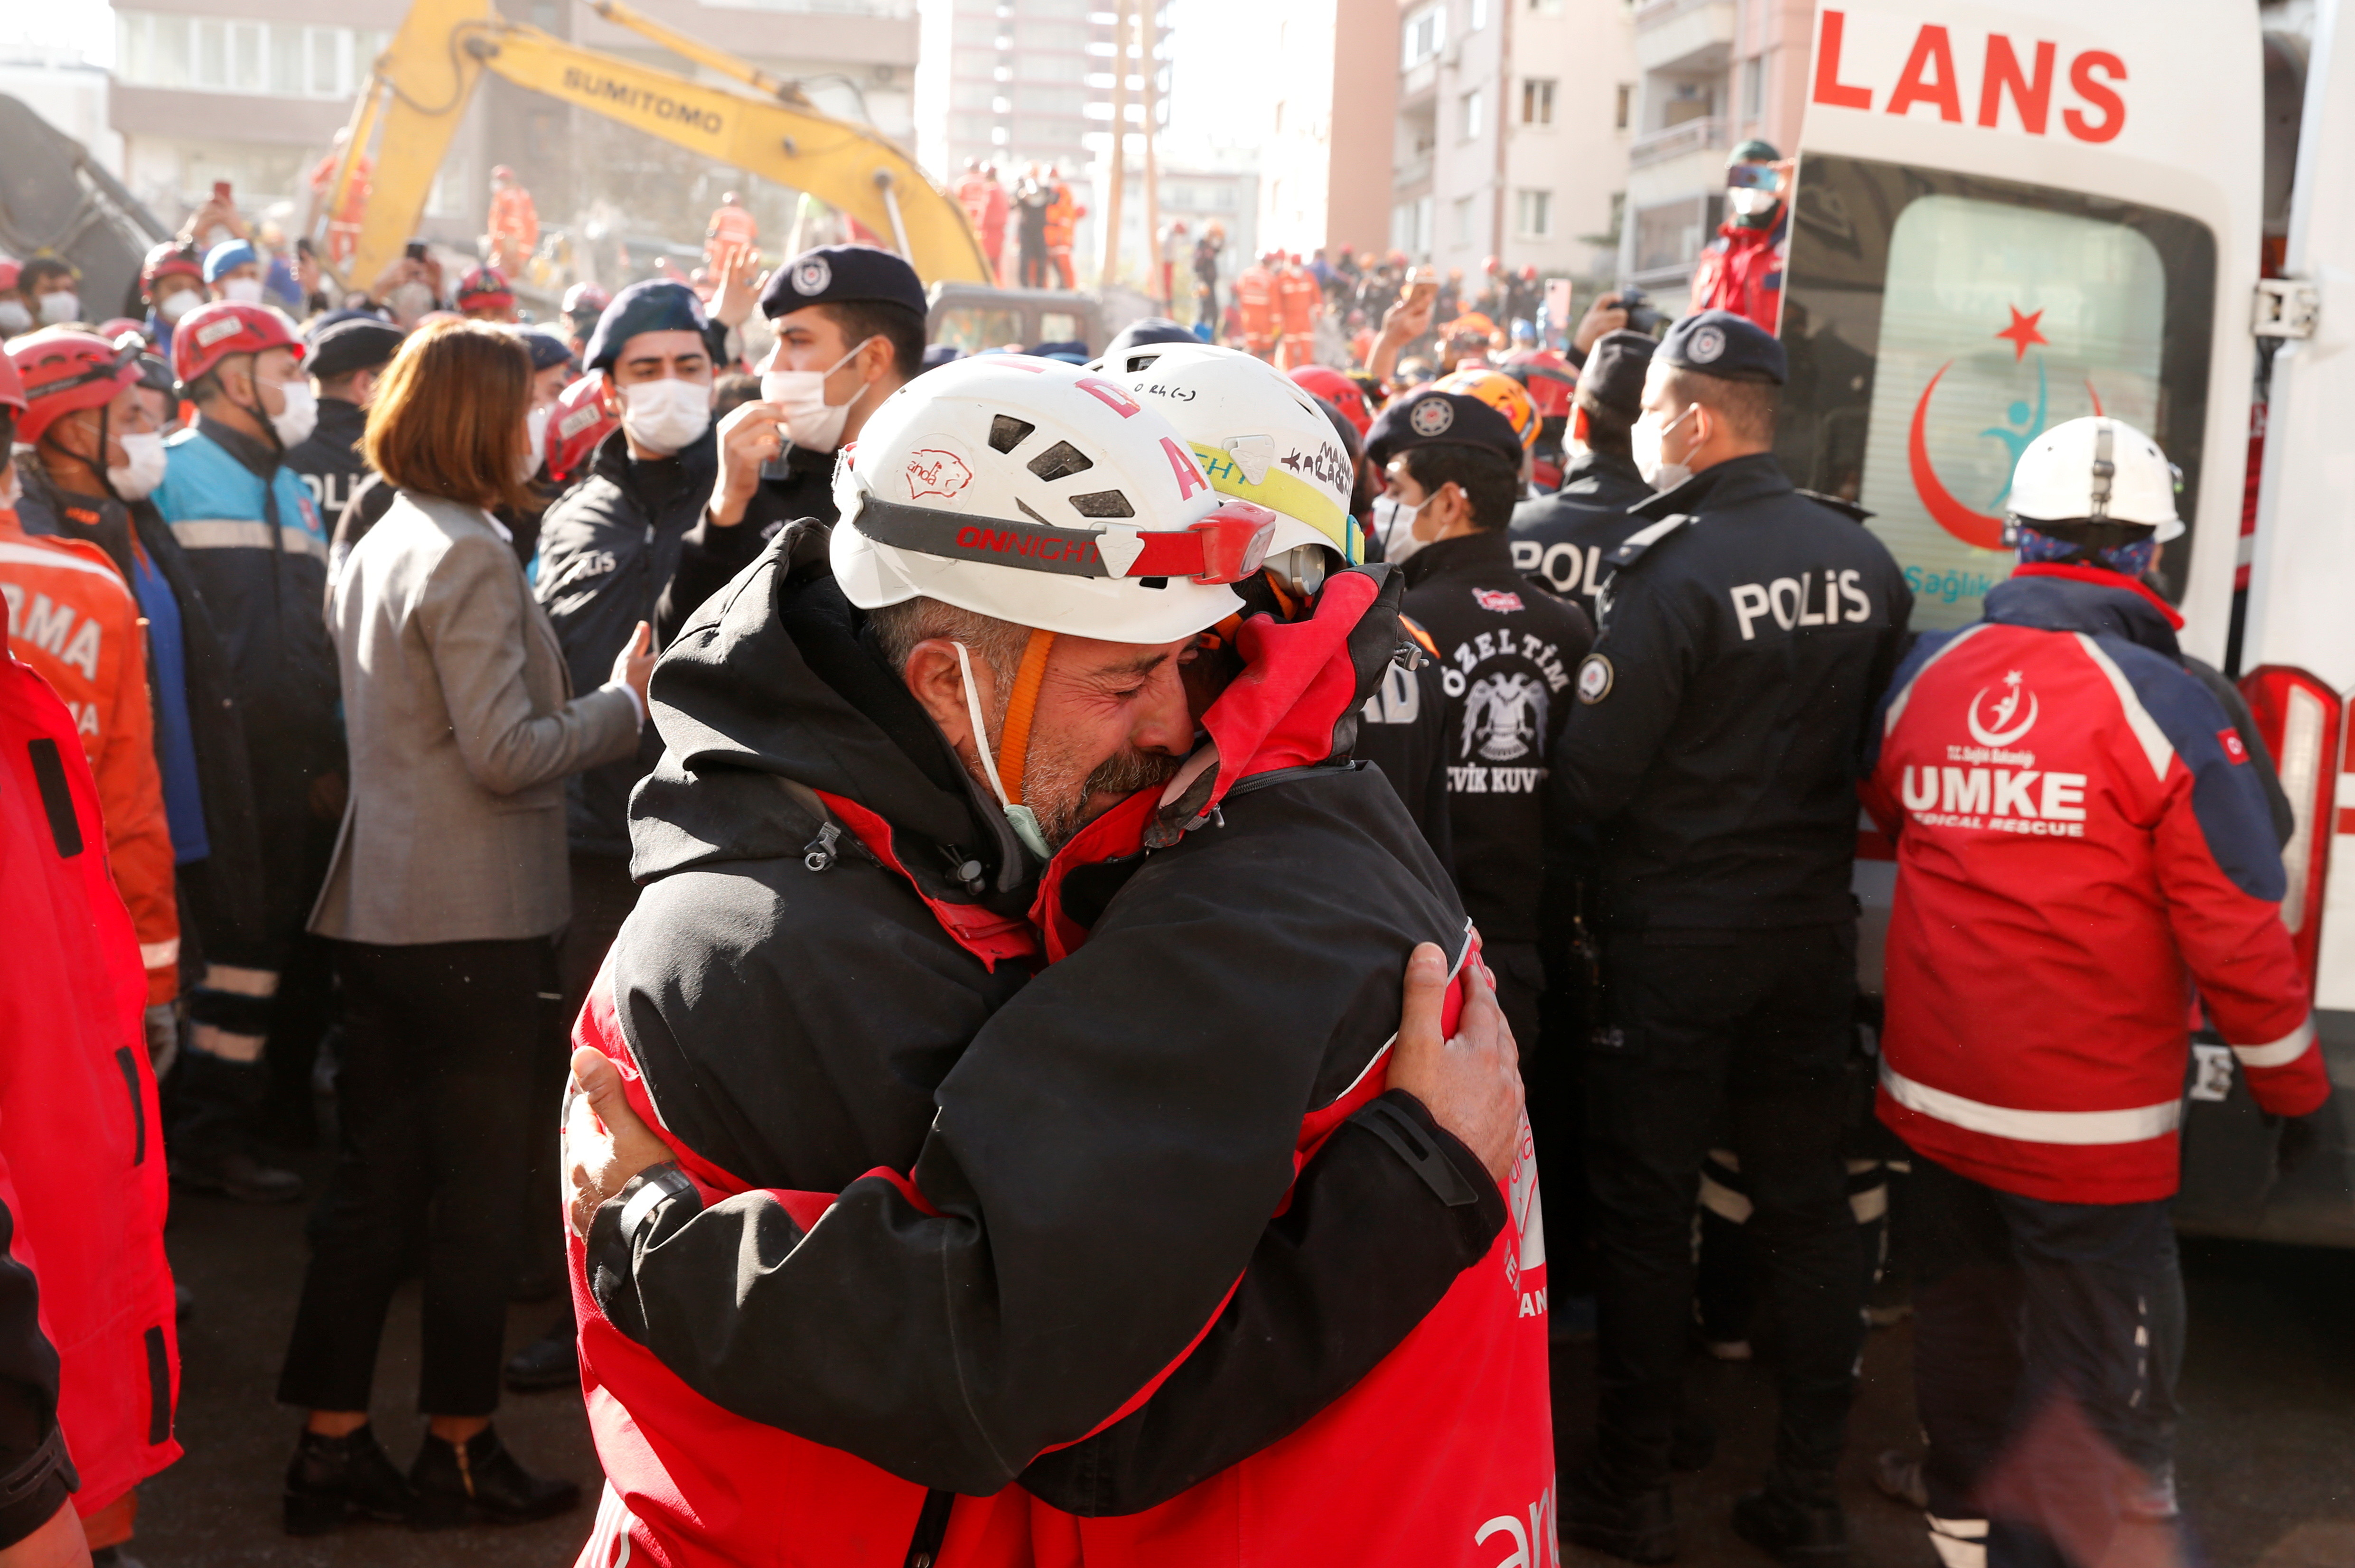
(418, 90)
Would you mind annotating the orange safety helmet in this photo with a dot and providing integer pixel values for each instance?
(1500, 392)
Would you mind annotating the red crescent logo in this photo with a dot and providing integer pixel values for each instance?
(1972, 528)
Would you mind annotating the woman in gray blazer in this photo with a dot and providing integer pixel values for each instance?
(446, 892)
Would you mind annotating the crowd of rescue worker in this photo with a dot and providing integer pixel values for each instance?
(1158, 848)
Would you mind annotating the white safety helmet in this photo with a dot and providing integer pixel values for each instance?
(1033, 491)
(1260, 438)
(2096, 469)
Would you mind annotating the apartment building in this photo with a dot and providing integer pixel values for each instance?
(1327, 113)
(1511, 132)
(1713, 73)
(251, 92)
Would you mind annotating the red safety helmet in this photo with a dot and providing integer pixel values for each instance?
(60, 368)
(581, 420)
(219, 329)
(1322, 381)
(485, 288)
(114, 328)
(173, 258)
(585, 297)
(1549, 380)
(12, 387)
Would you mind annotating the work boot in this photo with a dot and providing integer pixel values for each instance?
(549, 1362)
(234, 1173)
(1640, 1527)
(331, 1479)
(1802, 1525)
(479, 1480)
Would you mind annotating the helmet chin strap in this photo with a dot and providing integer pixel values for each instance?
(1013, 748)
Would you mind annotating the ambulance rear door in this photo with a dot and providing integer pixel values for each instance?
(2007, 217)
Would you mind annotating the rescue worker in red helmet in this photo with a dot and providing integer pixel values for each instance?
(918, 751)
(78, 624)
(171, 282)
(81, 1168)
(2041, 946)
(257, 549)
(484, 295)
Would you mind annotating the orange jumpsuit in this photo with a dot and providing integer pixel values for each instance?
(514, 229)
(1255, 289)
(984, 200)
(74, 624)
(1063, 215)
(731, 229)
(1300, 294)
(344, 223)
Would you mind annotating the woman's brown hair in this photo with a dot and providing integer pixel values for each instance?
(448, 416)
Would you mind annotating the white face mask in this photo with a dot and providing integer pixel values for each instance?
(142, 469)
(1749, 203)
(811, 422)
(535, 429)
(14, 318)
(301, 414)
(665, 416)
(1645, 438)
(176, 306)
(1394, 523)
(243, 291)
(60, 307)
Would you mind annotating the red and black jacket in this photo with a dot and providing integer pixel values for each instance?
(1034, 1201)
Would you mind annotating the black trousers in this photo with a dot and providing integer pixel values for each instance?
(434, 1091)
(2047, 1337)
(1746, 1037)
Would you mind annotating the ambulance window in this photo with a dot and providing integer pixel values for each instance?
(1938, 322)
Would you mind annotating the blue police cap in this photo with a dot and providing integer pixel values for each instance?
(1722, 344)
(839, 274)
(548, 349)
(654, 305)
(1433, 418)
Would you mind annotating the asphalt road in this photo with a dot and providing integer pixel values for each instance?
(2266, 1467)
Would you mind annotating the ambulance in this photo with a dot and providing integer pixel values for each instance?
(2009, 216)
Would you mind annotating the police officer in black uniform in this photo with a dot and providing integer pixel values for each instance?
(1713, 745)
(348, 350)
(849, 321)
(1506, 651)
(1562, 538)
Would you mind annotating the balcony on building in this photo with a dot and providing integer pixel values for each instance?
(1676, 35)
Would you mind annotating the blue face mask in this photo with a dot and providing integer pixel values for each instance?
(2126, 559)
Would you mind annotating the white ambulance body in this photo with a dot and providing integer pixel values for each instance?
(2010, 216)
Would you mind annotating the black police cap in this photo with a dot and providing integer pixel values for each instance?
(1442, 419)
(839, 274)
(1722, 344)
(651, 305)
(1613, 378)
(355, 343)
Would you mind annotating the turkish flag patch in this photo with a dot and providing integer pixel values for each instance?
(2234, 752)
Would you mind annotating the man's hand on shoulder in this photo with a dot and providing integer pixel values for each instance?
(1471, 1083)
(605, 1143)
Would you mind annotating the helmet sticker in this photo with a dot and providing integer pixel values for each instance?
(1594, 677)
(812, 276)
(212, 332)
(933, 471)
(1182, 463)
(1706, 344)
(1433, 416)
(1110, 394)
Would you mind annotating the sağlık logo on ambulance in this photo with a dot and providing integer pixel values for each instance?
(2022, 424)
(1990, 784)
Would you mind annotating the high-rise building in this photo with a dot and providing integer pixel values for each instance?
(1511, 132)
(1016, 82)
(1713, 74)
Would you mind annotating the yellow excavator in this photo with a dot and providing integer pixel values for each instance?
(418, 90)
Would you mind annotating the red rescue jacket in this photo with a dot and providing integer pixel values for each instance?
(1742, 271)
(2080, 841)
(78, 1130)
(1442, 1455)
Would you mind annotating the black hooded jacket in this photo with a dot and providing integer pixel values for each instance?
(1100, 1147)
